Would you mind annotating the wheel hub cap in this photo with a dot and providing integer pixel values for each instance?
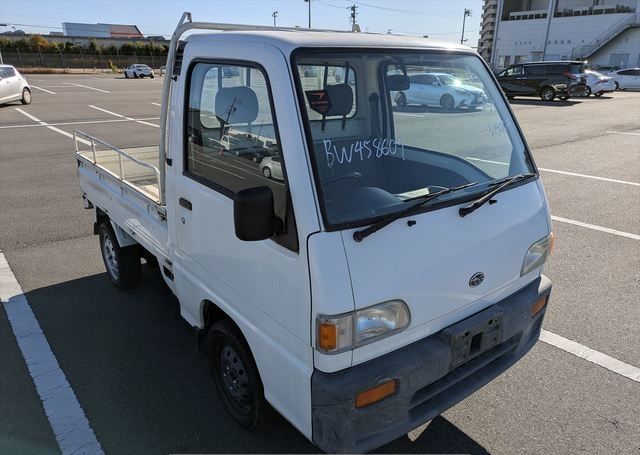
(110, 257)
(234, 375)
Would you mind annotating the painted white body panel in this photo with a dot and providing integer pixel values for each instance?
(625, 80)
(599, 84)
(274, 294)
(11, 87)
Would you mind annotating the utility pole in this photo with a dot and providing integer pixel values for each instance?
(274, 15)
(467, 12)
(309, 2)
(353, 9)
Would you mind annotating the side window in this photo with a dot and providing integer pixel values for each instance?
(516, 70)
(231, 129)
(7, 72)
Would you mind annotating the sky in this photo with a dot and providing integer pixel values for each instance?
(439, 19)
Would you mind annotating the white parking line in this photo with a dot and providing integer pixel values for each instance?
(66, 417)
(623, 132)
(157, 104)
(43, 89)
(31, 125)
(574, 174)
(123, 116)
(409, 114)
(86, 86)
(590, 355)
(52, 128)
(596, 228)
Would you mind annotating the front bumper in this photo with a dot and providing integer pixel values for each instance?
(426, 385)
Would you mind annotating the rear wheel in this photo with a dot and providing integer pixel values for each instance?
(447, 103)
(547, 94)
(400, 99)
(617, 85)
(235, 374)
(588, 91)
(266, 172)
(126, 75)
(26, 96)
(122, 264)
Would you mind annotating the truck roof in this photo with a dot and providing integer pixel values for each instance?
(288, 40)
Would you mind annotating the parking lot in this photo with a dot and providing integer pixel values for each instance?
(131, 360)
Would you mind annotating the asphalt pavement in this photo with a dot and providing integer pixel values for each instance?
(131, 360)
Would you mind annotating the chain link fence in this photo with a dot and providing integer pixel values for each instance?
(83, 61)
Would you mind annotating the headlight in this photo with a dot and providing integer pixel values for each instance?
(351, 330)
(461, 92)
(537, 254)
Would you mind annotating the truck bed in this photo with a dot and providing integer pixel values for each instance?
(125, 184)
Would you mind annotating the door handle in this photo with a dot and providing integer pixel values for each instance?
(185, 203)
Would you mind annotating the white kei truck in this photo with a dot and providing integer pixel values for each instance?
(395, 269)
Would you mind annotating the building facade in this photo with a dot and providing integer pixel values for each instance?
(602, 32)
(487, 28)
(101, 30)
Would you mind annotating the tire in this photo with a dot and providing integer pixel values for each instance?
(588, 91)
(123, 264)
(235, 374)
(152, 76)
(26, 96)
(599, 94)
(126, 75)
(617, 85)
(563, 98)
(266, 172)
(547, 94)
(447, 103)
(135, 75)
(400, 99)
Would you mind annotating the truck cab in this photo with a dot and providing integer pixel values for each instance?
(394, 269)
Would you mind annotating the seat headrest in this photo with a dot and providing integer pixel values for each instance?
(341, 99)
(236, 104)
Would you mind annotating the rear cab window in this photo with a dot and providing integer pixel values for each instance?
(371, 159)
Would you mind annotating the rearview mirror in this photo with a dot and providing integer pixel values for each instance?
(397, 82)
(253, 214)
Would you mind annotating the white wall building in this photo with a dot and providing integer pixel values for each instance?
(603, 32)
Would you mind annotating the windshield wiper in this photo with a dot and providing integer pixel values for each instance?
(503, 183)
(361, 234)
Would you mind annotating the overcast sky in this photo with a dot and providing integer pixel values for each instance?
(441, 19)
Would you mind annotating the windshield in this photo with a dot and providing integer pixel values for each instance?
(403, 126)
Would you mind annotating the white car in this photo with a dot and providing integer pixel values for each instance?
(440, 89)
(627, 78)
(598, 83)
(13, 87)
(271, 167)
(138, 70)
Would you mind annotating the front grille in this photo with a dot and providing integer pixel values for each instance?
(429, 397)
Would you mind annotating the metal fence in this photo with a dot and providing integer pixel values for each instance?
(78, 61)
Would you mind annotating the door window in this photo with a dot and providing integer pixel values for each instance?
(230, 129)
(515, 71)
(6, 72)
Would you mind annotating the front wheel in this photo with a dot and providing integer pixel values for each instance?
(26, 96)
(152, 76)
(135, 75)
(588, 91)
(599, 94)
(617, 85)
(547, 94)
(266, 172)
(122, 264)
(447, 103)
(235, 374)
(126, 75)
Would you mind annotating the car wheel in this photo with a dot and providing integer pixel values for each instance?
(135, 75)
(447, 103)
(547, 94)
(152, 76)
(266, 172)
(599, 94)
(400, 99)
(588, 91)
(123, 264)
(26, 96)
(617, 85)
(563, 98)
(126, 75)
(235, 374)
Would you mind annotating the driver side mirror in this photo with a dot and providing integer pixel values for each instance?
(253, 214)
(398, 82)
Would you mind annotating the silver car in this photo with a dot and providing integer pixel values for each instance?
(138, 70)
(271, 167)
(13, 87)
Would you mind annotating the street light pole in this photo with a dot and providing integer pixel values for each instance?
(274, 15)
(309, 2)
(467, 12)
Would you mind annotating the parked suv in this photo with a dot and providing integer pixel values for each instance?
(548, 80)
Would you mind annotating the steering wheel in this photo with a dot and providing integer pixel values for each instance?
(355, 176)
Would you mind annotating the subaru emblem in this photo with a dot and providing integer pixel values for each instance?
(476, 280)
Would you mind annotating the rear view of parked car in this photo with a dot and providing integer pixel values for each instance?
(13, 87)
(598, 84)
(138, 70)
(627, 78)
(548, 80)
(440, 89)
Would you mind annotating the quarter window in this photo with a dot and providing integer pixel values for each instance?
(230, 131)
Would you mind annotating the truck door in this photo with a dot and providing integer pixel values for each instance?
(229, 127)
